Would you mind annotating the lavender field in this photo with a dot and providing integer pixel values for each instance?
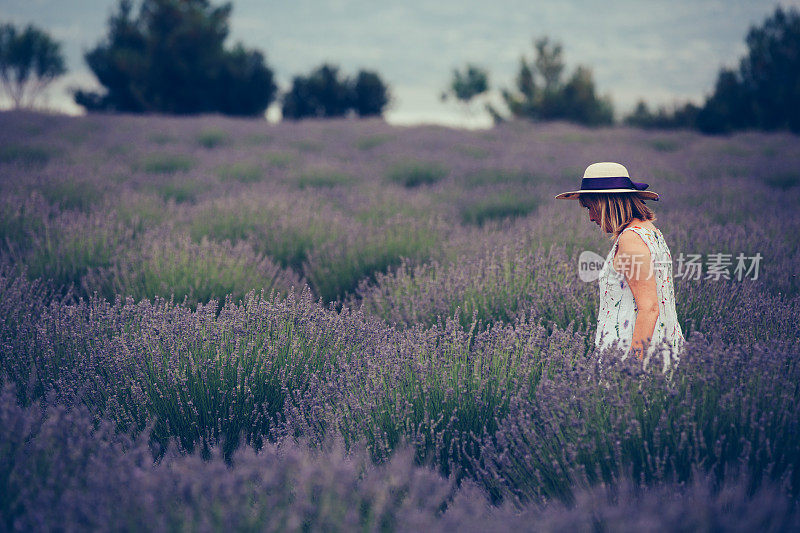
(211, 323)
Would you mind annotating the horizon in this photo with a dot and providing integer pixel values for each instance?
(661, 53)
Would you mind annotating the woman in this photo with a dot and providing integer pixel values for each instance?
(637, 296)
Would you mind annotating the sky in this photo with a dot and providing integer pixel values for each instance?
(664, 52)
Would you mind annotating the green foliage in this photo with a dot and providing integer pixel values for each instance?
(171, 59)
(499, 176)
(241, 172)
(371, 141)
(370, 95)
(549, 63)
(179, 190)
(68, 194)
(728, 107)
(139, 211)
(69, 247)
(325, 93)
(166, 163)
(285, 228)
(441, 376)
(665, 145)
(497, 286)
(663, 118)
(307, 145)
(475, 152)
(541, 94)
(763, 93)
(219, 222)
(322, 178)
(161, 138)
(212, 138)
(174, 265)
(25, 155)
(338, 266)
(783, 180)
(466, 86)
(21, 220)
(577, 102)
(258, 138)
(413, 173)
(280, 159)
(500, 205)
(321, 94)
(30, 60)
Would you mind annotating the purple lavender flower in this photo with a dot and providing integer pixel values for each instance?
(276, 334)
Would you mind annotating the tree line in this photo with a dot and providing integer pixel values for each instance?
(762, 93)
(170, 57)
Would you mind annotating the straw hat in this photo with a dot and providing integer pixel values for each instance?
(607, 178)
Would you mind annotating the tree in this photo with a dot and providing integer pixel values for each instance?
(370, 95)
(678, 117)
(549, 63)
(770, 72)
(578, 102)
(325, 93)
(541, 94)
(526, 101)
(467, 86)
(240, 79)
(30, 60)
(728, 108)
(171, 58)
(764, 93)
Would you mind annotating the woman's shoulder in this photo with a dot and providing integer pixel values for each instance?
(639, 240)
(632, 241)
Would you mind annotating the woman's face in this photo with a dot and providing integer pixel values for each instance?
(593, 215)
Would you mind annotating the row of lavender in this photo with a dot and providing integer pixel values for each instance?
(207, 207)
(465, 337)
(521, 414)
(111, 484)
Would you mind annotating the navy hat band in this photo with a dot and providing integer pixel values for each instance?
(617, 182)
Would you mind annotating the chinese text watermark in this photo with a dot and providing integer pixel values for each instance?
(689, 266)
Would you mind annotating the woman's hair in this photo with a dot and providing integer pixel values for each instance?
(616, 210)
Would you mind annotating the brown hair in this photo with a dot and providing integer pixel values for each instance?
(616, 210)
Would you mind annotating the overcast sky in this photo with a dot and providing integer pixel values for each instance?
(662, 51)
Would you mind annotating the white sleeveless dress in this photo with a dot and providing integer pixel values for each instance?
(617, 314)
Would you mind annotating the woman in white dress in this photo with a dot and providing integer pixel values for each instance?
(637, 295)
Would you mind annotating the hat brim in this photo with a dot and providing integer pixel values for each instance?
(574, 195)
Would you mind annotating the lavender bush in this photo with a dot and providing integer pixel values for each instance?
(171, 264)
(498, 285)
(276, 367)
(112, 484)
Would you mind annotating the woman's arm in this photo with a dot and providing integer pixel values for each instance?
(633, 257)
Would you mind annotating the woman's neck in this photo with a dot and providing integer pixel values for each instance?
(638, 222)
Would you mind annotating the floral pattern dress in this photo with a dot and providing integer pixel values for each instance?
(617, 313)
